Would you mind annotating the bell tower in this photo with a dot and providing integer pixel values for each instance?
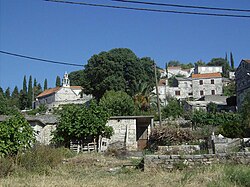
(66, 81)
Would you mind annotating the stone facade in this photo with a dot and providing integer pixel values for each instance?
(62, 95)
(166, 162)
(207, 69)
(242, 78)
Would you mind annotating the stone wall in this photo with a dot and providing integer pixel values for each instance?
(167, 162)
(124, 133)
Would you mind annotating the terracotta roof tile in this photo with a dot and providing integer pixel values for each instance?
(248, 61)
(48, 91)
(76, 87)
(206, 75)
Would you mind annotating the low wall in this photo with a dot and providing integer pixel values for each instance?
(167, 162)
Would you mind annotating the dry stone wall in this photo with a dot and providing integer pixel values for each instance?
(167, 162)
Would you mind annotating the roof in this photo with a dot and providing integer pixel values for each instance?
(76, 87)
(206, 75)
(56, 89)
(183, 78)
(247, 61)
(49, 91)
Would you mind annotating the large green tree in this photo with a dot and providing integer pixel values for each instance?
(78, 122)
(16, 134)
(173, 109)
(118, 103)
(118, 69)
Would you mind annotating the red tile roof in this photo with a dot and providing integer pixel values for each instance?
(248, 61)
(76, 87)
(206, 75)
(49, 91)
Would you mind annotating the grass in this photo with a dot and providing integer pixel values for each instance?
(97, 170)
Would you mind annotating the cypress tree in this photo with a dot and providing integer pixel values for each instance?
(30, 93)
(58, 81)
(24, 84)
(35, 83)
(45, 86)
(7, 93)
(1, 90)
(15, 93)
(23, 100)
(226, 57)
(232, 60)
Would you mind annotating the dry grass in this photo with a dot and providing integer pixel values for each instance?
(95, 170)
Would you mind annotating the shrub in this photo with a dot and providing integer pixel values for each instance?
(238, 175)
(41, 159)
(6, 166)
(169, 135)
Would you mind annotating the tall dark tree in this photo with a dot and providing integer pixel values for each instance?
(7, 93)
(23, 101)
(1, 91)
(24, 84)
(15, 93)
(58, 81)
(30, 93)
(35, 83)
(45, 85)
(37, 90)
(232, 60)
(226, 57)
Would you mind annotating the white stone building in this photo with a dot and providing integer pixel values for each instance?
(62, 95)
(207, 84)
(242, 78)
(177, 70)
(207, 69)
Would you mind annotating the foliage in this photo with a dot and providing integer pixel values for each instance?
(173, 109)
(200, 63)
(16, 134)
(220, 62)
(41, 159)
(232, 61)
(245, 111)
(187, 66)
(79, 122)
(230, 89)
(6, 166)
(212, 107)
(233, 128)
(117, 103)
(45, 84)
(30, 93)
(24, 85)
(169, 135)
(58, 81)
(118, 69)
(40, 110)
(5, 106)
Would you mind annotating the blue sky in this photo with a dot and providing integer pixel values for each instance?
(72, 33)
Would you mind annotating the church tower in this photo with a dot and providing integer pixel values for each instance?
(66, 81)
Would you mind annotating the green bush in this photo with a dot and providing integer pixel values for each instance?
(41, 159)
(238, 175)
(6, 166)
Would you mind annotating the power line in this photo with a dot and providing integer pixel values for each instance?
(148, 9)
(40, 59)
(182, 6)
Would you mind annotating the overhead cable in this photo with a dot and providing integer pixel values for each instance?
(183, 6)
(148, 9)
(40, 59)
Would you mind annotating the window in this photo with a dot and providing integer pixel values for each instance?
(213, 92)
(177, 93)
(191, 93)
(201, 82)
(201, 92)
(212, 81)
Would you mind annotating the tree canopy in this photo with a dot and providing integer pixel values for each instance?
(77, 122)
(118, 69)
(118, 103)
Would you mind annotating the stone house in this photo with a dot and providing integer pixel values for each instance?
(62, 95)
(207, 69)
(242, 79)
(177, 70)
(207, 84)
(130, 132)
